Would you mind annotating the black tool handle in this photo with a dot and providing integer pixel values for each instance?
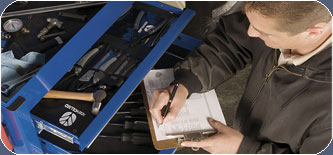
(137, 126)
(75, 16)
(138, 111)
(129, 67)
(138, 20)
(137, 138)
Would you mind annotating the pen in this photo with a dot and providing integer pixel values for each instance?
(173, 93)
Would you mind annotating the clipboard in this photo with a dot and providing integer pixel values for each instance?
(159, 145)
(175, 142)
(194, 114)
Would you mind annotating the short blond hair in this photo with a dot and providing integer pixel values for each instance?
(292, 17)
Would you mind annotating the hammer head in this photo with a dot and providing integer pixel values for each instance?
(55, 22)
(99, 95)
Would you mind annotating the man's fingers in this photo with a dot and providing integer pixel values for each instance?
(159, 100)
(218, 125)
(157, 115)
(170, 116)
(194, 144)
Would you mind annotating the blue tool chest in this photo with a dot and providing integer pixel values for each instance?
(47, 125)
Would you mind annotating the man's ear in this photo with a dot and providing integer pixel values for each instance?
(316, 30)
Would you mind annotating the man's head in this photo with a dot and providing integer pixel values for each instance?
(289, 25)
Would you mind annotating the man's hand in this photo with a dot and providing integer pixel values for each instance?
(161, 97)
(226, 141)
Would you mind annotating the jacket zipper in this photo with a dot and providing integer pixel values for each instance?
(267, 77)
(269, 74)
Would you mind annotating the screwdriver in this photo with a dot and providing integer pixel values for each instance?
(135, 117)
(133, 102)
(134, 112)
(135, 138)
(135, 126)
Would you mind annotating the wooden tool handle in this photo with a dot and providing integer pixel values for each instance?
(56, 94)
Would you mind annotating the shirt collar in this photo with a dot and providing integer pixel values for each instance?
(287, 58)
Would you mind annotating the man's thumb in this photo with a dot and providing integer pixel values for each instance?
(218, 125)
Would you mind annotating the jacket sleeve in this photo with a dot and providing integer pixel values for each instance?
(316, 141)
(224, 51)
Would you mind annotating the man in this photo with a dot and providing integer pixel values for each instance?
(286, 106)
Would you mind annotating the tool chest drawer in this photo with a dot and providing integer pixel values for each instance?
(86, 97)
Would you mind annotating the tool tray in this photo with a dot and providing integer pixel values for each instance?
(42, 116)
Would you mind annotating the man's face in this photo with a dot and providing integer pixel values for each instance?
(264, 28)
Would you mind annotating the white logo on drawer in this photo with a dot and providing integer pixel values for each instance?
(67, 119)
(77, 111)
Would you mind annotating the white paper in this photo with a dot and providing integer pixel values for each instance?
(194, 114)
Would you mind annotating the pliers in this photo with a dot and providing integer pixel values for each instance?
(145, 30)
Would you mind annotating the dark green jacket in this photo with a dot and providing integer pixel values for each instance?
(284, 109)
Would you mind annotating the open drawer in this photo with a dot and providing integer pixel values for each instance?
(112, 26)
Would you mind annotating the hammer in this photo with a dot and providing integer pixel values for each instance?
(96, 97)
(53, 22)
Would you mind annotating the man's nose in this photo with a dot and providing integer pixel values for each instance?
(252, 32)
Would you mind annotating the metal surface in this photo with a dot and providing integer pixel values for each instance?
(53, 22)
(51, 9)
(54, 131)
(13, 25)
(44, 37)
(83, 61)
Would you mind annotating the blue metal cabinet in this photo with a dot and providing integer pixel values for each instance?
(25, 127)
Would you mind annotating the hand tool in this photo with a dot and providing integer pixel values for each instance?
(135, 117)
(53, 22)
(105, 68)
(137, 36)
(117, 77)
(160, 33)
(135, 138)
(134, 112)
(98, 75)
(112, 69)
(77, 68)
(74, 16)
(96, 97)
(25, 31)
(121, 67)
(129, 67)
(6, 85)
(133, 102)
(90, 73)
(134, 126)
(88, 56)
(44, 37)
(43, 47)
(51, 9)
